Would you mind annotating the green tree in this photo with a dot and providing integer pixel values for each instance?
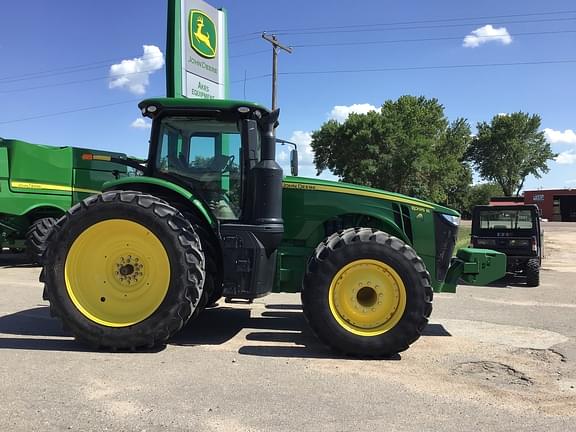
(480, 194)
(509, 149)
(408, 147)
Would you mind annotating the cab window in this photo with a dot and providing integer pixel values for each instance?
(206, 154)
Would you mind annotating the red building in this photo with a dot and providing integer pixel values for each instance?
(555, 204)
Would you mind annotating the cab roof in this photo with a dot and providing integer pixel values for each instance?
(208, 104)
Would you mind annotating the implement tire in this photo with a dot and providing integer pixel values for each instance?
(36, 237)
(532, 273)
(366, 293)
(123, 270)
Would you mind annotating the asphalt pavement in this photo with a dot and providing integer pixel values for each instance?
(493, 358)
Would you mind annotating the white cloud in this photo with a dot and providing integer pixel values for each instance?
(306, 165)
(134, 75)
(487, 34)
(502, 114)
(305, 152)
(566, 158)
(341, 112)
(556, 136)
(140, 123)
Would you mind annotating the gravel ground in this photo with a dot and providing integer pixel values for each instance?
(493, 358)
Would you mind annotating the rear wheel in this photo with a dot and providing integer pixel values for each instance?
(124, 270)
(213, 282)
(366, 293)
(532, 273)
(36, 238)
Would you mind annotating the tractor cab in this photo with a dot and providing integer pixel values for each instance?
(514, 230)
(223, 154)
(215, 152)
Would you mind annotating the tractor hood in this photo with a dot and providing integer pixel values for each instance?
(352, 189)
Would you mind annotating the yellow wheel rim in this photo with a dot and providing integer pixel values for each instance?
(117, 273)
(367, 297)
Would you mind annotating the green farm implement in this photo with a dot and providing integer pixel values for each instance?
(38, 184)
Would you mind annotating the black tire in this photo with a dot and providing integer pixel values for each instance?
(533, 273)
(350, 245)
(183, 250)
(213, 287)
(36, 237)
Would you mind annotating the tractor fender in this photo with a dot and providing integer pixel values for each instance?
(41, 209)
(378, 221)
(157, 186)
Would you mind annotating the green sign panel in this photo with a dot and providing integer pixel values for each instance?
(197, 50)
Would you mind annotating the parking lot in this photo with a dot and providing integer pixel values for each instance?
(493, 358)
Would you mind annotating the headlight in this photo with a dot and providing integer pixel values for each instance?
(453, 220)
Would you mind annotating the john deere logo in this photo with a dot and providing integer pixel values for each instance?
(202, 34)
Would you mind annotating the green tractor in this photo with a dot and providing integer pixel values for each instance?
(38, 184)
(211, 216)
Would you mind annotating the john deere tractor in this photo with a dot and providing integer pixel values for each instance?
(211, 216)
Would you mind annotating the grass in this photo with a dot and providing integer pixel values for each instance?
(463, 237)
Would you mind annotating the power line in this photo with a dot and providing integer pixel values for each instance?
(412, 68)
(77, 81)
(67, 69)
(253, 35)
(236, 41)
(294, 73)
(365, 30)
(391, 41)
(83, 68)
(89, 108)
(313, 45)
(335, 44)
(363, 25)
(250, 53)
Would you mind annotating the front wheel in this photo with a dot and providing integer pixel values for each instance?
(366, 293)
(123, 270)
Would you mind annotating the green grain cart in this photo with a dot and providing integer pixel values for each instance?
(38, 184)
(211, 215)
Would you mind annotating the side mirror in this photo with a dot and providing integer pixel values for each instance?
(294, 162)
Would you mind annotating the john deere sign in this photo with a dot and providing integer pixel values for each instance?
(202, 33)
(197, 51)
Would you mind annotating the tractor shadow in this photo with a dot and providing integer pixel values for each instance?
(507, 282)
(19, 260)
(279, 331)
(32, 324)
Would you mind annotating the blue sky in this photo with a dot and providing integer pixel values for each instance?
(38, 36)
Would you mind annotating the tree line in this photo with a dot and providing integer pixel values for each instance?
(410, 147)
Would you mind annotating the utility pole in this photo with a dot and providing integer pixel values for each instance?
(275, 47)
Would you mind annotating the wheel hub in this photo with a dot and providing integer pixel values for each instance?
(129, 270)
(367, 297)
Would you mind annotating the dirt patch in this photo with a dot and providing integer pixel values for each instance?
(474, 367)
(546, 356)
(559, 247)
(497, 373)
